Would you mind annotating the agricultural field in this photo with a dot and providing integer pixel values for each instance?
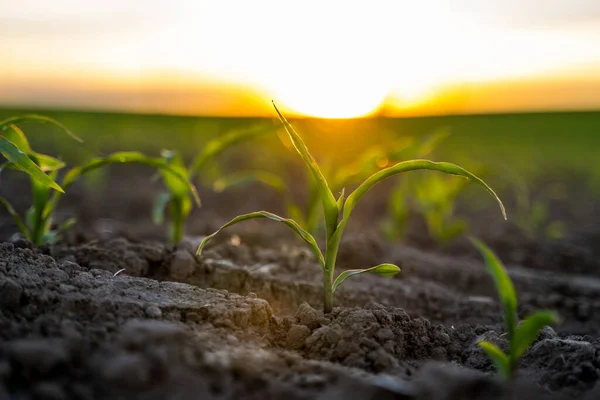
(129, 285)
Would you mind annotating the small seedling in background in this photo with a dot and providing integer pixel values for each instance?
(434, 197)
(37, 226)
(337, 212)
(520, 336)
(177, 200)
(531, 215)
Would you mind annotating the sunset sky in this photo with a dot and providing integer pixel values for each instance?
(319, 58)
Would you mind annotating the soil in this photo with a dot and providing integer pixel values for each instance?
(113, 312)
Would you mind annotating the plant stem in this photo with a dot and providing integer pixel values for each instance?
(328, 292)
(177, 222)
(332, 246)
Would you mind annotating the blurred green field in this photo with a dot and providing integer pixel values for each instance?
(525, 144)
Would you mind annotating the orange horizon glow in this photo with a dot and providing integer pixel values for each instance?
(179, 95)
(315, 59)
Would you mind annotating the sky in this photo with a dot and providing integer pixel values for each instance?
(319, 58)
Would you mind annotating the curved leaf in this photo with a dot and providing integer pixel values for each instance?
(47, 163)
(18, 138)
(529, 330)
(414, 165)
(330, 208)
(500, 360)
(307, 237)
(504, 285)
(16, 135)
(127, 157)
(37, 118)
(381, 269)
(216, 146)
(22, 162)
(9, 208)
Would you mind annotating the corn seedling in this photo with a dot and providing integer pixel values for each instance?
(37, 226)
(310, 215)
(433, 197)
(532, 216)
(520, 336)
(177, 200)
(337, 212)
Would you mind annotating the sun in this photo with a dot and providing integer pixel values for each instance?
(331, 98)
(334, 92)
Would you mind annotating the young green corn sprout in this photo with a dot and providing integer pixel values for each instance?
(434, 198)
(310, 215)
(19, 155)
(337, 212)
(38, 223)
(532, 216)
(177, 200)
(520, 336)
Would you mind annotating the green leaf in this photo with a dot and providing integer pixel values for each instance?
(16, 135)
(340, 200)
(36, 118)
(247, 177)
(413, 165)
(330, 208)
(177, 187)
(381, 269)
(158, 211)
(449, 230)
(18, 138)
(126, 157)
(429, 143)
(504, 285)
(9, 208)
(222, 143)
(52, 236)
(179, 209)
(21, 161)
(65, 226)
(528, 331)
(307, 237)
(500, 360)
(46, 163)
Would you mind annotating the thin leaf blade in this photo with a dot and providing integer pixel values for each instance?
(528, 331)
(16, 135)
(21, 161)
(500, 360)
(216, 146)
(307, 237)
(506, 290)
(127, 157)
(330, 207)
(414, 165)
(18, 138)
(38, 118)
(16, 217)
(381, 270)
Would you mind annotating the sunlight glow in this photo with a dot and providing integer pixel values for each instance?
(344, 96)
(319, 58)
